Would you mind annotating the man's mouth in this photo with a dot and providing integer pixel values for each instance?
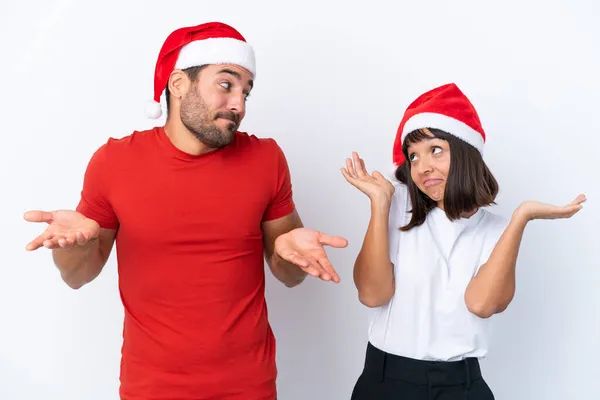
(231, 118)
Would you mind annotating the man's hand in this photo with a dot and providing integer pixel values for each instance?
(304, 248)
(66, 229)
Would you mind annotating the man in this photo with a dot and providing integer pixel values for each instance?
(195, 207)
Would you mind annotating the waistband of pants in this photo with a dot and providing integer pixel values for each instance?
(419, 372)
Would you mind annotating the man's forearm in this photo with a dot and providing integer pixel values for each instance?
(80, 264)
(289, 274)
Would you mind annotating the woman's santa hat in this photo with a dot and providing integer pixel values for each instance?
(208, 43)
(445, 108)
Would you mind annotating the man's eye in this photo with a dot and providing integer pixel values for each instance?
(226, 85)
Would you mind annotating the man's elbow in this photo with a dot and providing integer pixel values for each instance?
(293, 281)
(291, 284)
(74, 284)
(75, 281)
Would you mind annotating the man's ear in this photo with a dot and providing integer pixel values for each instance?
(179, 84)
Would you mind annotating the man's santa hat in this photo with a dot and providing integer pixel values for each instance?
(445, 108)
(208, 43)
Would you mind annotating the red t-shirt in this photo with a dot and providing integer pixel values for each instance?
(190, 260)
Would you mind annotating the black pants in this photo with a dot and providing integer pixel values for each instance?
(391, 377)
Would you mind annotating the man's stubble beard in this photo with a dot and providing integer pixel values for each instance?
(196, 117)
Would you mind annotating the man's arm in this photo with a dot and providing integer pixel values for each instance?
(288, 273)
(293, 251)
(81, 240)
(80, 248)
(79, 265)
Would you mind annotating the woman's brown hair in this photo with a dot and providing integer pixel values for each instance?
(470, 183)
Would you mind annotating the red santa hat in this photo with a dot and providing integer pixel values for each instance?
(208, 43)
(445, 108)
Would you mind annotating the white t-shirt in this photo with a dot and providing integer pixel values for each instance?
(427, 317)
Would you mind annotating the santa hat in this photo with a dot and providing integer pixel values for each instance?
(445, 108)
(208, 43)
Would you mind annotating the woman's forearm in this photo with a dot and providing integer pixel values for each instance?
(373, 270)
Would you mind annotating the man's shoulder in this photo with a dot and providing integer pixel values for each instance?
(263, 146)
(114, 152)
(248, 139)
(116, 146)
(137, 137)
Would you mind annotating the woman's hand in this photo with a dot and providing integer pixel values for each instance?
(375, 185)
(531, 210)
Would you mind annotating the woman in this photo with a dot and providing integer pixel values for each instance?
(435, 265)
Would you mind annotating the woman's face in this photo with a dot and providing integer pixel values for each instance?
(429, 165)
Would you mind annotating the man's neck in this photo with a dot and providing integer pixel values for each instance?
(183, 139)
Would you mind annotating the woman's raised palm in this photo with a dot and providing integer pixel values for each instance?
(374, 185)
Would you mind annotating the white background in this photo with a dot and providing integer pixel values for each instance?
(331, 79)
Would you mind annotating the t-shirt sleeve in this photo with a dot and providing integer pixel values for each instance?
(94, 202)
(496, 228)
(397, 219)
(282, 202)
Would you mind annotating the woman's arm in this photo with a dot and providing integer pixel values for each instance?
(373, 270)
(493, 288)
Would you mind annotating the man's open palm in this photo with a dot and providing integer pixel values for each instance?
(304, 247)
(66, 228)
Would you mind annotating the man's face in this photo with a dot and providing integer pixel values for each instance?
(215, 105)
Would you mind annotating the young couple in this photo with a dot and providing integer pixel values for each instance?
(195, 207)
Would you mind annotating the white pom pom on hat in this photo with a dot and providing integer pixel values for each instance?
(153, 109)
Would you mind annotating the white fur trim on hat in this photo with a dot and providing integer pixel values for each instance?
(217, 51)
(446, 124)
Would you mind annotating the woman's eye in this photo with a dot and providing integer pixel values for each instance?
(412, 157)
(436, 149)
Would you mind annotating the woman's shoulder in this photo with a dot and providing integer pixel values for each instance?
(400, 202)
(493, 222)
(400, 190)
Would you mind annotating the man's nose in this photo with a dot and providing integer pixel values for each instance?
(237, 103)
